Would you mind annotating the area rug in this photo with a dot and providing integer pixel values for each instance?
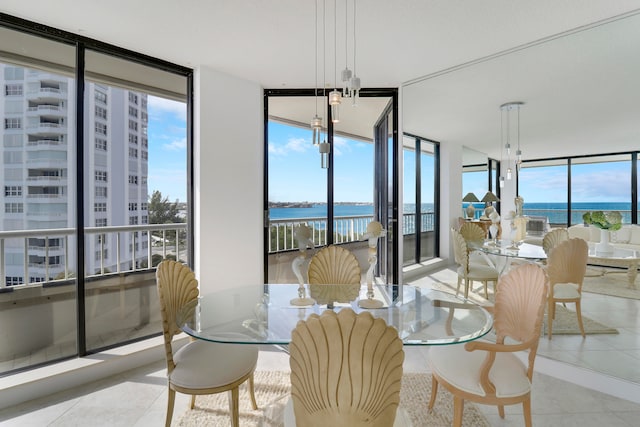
(566, 323)
(610, 282)
(272, 388)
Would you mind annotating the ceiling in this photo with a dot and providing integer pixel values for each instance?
(574, 63)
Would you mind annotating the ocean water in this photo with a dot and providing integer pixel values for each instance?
(556, 212)
(320, 211)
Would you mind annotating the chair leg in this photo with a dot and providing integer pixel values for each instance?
(467, 285)
(233, 407)
(579, 313)
(526, 409)
(486, 292)
(252, 394)
(170, 403)
(550, 315)
(501, 411)
(458, 408)
(193, 401)
(434, 391)
(458, 287)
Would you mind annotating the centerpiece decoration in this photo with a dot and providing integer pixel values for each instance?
(606, 222)
(374, 232)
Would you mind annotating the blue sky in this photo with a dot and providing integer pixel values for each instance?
(167, 136)
(590, 182)
(295, 173)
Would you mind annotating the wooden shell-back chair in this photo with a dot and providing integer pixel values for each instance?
(334, 265)
(470, 271)
(472, 232)
(553, 238)
(491, 373)
(566, 266)
(199, 367)
(346, 370)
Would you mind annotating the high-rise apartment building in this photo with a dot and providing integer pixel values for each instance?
(38, 111)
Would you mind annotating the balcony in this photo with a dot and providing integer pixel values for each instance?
(47, 110)
(120, 296)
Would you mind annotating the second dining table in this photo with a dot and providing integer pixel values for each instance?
(264, 314)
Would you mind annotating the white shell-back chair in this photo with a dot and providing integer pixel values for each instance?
(199, 367)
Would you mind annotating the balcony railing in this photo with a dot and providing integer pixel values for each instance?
(346, 229)
(164, 239)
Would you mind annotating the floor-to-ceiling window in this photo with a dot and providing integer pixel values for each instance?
(334, 196)
(420, 230)
(95, 180)
(564, 189)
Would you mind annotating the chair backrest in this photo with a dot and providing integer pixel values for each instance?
(334, 265)
(519, 307)
(567, 262)
(346, 370)
(460, 249)
(472, 232)
(177, 286)
(552, 238)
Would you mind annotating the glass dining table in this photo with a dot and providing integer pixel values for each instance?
(502, 252)
(263, 314)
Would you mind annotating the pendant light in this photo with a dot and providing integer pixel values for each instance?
(324, 148)
(316, 121)
(335, 97)
(506, 109)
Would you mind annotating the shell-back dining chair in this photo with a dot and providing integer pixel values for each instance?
(566, 266)
(469, 271)
(334, 265)
(553, 238)
(199, 367)
(474, 233)
(491, 373)
(346, 371)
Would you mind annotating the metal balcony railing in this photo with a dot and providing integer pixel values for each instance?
(163, 239)
(346, 229)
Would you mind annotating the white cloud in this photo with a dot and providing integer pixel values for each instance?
(176, 145)
(179, 109)
(298, 145)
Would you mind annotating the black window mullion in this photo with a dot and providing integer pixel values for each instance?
(569, 164)
(329, 231)
(418, 209)
(80, 238)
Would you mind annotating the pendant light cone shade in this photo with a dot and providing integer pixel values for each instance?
(508, 173)
(316, 126)
(470, 210)
(335, 99)
(324, 149)
(502, 182)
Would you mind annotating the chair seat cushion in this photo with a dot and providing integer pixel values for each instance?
(202, 364)
(461, 368)
(480, 272)
(565, 291)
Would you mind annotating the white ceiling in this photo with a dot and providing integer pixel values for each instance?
(459, 59)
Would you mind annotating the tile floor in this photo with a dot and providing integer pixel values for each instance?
(617, 355)
(138, 397)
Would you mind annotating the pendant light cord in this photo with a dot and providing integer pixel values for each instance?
(354, 38)
(316, 56)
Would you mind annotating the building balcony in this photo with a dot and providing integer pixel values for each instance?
(48, 144)
(47, 94)
(47, 110)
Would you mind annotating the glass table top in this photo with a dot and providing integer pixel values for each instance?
(263, 314)
(507, 249)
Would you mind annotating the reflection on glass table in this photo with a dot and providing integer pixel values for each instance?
(263, 314)
(504, 252)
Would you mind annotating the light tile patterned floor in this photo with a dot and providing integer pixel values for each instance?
(138, 397)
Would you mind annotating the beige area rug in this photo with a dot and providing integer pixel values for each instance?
(607, 281)
(272, 388)
(566, 323)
